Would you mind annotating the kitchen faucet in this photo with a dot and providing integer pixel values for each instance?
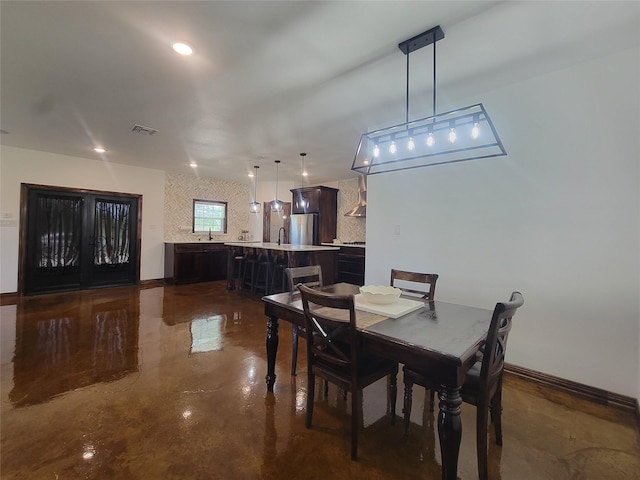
(284, 237)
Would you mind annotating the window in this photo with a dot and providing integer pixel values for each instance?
(209, 216)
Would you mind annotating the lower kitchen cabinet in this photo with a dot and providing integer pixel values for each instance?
(195, 262)
(350, 265)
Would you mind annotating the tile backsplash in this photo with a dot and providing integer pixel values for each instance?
(350, 229)
(181, 190)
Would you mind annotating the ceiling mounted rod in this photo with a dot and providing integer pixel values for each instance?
(254, 207)
(276, 205)
(434, 76)
(425, 39)
(406, 116)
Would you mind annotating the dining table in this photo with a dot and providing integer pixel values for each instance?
(439, 339)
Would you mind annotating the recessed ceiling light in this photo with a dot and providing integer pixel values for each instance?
(193, 164)
(182, 48)
(99, 149)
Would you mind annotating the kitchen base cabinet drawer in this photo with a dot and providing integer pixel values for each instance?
(194, 262)
(350, 265)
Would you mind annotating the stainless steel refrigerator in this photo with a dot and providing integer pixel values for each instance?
(304, 229)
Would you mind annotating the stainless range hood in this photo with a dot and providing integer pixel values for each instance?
(360, 210)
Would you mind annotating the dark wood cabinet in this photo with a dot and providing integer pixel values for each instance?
(320, 200)
(350, 265)
(195, 262)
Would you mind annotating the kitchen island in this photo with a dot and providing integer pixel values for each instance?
(296, 256)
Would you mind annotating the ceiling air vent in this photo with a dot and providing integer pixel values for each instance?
(144, 130)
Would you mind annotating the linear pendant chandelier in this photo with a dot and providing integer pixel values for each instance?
(455, 136)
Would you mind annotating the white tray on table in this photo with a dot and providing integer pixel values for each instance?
(400, 307)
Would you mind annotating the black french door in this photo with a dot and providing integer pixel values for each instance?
(79, 239)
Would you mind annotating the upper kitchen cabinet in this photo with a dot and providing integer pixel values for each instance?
(320, 200)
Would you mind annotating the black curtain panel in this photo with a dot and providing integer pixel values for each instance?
(112, 233)
(59, 231)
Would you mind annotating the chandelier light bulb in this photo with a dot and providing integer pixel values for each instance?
(475, 131)
(452, 135)
(376, 151)
(411, 145)
(430, 140)
(392, 148)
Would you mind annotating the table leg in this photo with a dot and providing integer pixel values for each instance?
(449, 430)
(272, 349)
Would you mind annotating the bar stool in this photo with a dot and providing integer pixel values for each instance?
(278, 280)
(262, 278)
(249, 264)
(238, 265)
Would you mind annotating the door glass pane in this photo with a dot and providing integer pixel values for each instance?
(112, 233)
(59, 226)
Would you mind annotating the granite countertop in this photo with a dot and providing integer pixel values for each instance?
(182, 242)
(358, 245)
(285, 247)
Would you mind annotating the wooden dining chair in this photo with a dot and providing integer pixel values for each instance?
(335, 353)
(421, 285)
(483, 383)
(311, 276)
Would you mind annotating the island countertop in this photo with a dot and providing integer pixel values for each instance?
(285, 247)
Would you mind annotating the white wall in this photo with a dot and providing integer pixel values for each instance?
(558, 219)
(28, 166)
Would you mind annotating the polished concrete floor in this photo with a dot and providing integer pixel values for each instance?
(168, 383)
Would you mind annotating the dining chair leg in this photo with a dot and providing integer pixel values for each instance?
(355, 421)
(496, 412)
(311, 386)
(294, 353)
(408, 394)
(482, 418)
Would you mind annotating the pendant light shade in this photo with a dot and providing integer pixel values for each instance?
(254, 207)
(459, 135)
(303, 171)
(300, 199)
(276, 205)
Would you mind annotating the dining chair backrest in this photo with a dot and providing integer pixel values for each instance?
(496, 343)
(415, 283)
(331, 334)
(310, 275)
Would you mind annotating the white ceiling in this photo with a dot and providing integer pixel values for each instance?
(268, 79)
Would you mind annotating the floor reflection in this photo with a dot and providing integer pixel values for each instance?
(73, 347)
(208, 415)
(206, 333)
